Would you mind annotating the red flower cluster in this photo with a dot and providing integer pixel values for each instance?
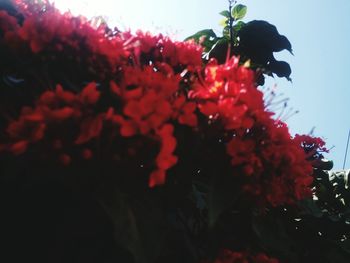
(274, 165)
(149, 91)
(228, 93)
(46, 31)
(152, 98)
(157, 86)
(54, 108)
(312, 146)
(228, 256)
(185, 55)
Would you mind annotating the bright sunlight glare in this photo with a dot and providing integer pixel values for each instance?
(126, 15)
(157, 16)
(110, 10)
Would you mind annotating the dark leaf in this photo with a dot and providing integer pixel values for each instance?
(222, 196)
(139, 225)
(332, 190)
(263, 35)
(280, 68)
(258, 40)
(273, 236)
(337, 255)
(310, 207)
(219, 50)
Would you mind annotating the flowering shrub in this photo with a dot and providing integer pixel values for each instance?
(146, 105)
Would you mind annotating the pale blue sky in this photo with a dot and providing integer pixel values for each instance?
(319, 33)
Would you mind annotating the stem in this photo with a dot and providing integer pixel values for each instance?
(346, 150)
(231, 2)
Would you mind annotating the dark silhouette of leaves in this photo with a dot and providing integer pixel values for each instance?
(258, 40)
(280, 68)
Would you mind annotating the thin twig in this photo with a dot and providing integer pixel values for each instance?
(231, 21)
(346, 151)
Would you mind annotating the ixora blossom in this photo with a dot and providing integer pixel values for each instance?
(271, 162)
(147, 87)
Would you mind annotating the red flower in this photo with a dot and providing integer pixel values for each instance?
(59, 114)
(89, 94)
(7, 22)
(241, 150)
(19, 147)
(187, 115)
(87, 154)
(128, 128)
(165, 159)
(157, 177)
(228, 256)
(65, 159)
(66, 96)
(89, 129)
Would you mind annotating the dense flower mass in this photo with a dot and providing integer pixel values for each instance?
(145, 86)
(181, 154)
(261, 147)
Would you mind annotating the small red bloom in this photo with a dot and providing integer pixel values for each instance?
(59, 114)
(66, 96)
(19, 147)
(165, 159)
(227, 256)
(89, 129)
(156, 178)
(128, 128)
(65, 159)
(187, 115)
(89, 94)
(7, 22)
(87, 154)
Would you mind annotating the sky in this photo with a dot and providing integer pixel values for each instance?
(318, 30)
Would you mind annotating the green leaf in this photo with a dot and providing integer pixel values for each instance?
(225, 13)
(204, 32)
(238, 26)
(239, 11)
(207, 38)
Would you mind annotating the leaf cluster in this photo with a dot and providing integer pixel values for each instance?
(255, 41)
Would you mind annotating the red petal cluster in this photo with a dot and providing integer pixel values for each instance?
(228, 93)
(151, 99)
(52, 109)
(274, 166)
(46, 31)
(228, 256)
(7, 22)
(162, 49)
